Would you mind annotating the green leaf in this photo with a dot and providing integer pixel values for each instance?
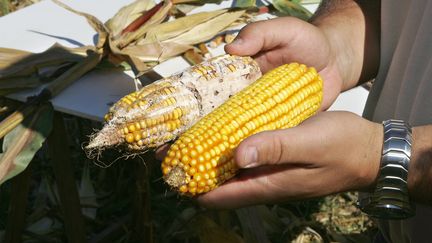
(4, 7)
(245, 3)
(21, 144)
(287, 7)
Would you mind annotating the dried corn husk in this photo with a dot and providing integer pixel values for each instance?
(24, 141)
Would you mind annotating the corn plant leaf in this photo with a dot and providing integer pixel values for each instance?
(7, 55)
(178, 26)
(196, 2)
(87, 194)
(207, 30)
(4, 7)
(157, 18)
(22, 143)
(73, 73)
(127, 14)
(20, 64)
(287, 7)
(252, 225)
(245, 3)
(210, 232)
(156, 51)
(97, 25)
(15, 84)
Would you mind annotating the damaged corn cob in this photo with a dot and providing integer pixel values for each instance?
(202, 157)
(161, 111)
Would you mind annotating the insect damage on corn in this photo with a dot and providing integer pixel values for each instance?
(159, 112)
(202, 157)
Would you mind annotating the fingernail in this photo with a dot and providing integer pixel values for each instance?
(250, 157)
(237, 41)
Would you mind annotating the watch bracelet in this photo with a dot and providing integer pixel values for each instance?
(390, 198)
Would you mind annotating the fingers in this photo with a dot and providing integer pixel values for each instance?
(261, 36)
(262, 185)
(292, 145)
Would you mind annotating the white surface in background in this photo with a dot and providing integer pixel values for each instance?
(39, 26)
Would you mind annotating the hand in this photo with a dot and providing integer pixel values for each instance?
(283, 40)
(328, 153)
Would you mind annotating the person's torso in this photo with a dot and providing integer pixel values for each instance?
(403, 89)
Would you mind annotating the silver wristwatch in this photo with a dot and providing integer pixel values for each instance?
(390, 198)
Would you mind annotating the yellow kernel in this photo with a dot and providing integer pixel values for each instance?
(192, 184)
(202, 183)
(183, 189)
(131, 128)
(130, 138)
(166, 170)
(174, 162)
(199, 149)
(208, 165)
(201, 168)
(185, 159)
(192, 171)
(197, 177)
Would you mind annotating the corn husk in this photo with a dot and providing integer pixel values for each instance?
(20, 145)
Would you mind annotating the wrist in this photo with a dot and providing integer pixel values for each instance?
(374, 149)
(343, 24)
(421, 165)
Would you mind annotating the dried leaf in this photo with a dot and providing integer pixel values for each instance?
(7, 55)
(127, 14)
(178, 26)
(208, 29)
(253, 229)
(73, 73)
(156, 52)
(196, 2)
(210, 232)
(16, 63)
(22, 143)
(156, 19)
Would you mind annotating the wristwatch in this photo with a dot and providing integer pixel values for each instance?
(390, 199)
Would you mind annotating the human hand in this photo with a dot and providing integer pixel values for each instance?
(328, 153)
(283, 40)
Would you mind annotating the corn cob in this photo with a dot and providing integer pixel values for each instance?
(202, 157)
(161, 111)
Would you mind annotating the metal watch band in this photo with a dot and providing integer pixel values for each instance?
(390, 198)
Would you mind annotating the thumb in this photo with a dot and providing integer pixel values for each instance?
(248, 42)
(274, 147)
(256, 37)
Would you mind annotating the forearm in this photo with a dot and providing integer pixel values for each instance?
(420, 170)
(352, 28)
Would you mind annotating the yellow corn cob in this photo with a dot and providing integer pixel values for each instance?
(161, 111)
(202, 157)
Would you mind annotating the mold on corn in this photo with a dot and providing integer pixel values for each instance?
(202, 157)
(161, 111)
